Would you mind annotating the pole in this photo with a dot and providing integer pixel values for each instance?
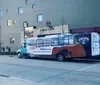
(62, 23)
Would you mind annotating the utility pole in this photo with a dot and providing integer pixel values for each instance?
(62, 23)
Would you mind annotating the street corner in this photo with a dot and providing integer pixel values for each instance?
(15, 81)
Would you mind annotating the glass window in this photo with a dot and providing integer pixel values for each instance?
(1, 12)
(7, 10)
(20, 10)
(12, 40)
(26, 1)
(25, 24)
(61, 41)
(40, 18)
(68, 40)
(47, 42)
(39, 42)
(14, 22)
(71, 40)
(33, 5)
(54, 41)
(32, 42)
(9, 22)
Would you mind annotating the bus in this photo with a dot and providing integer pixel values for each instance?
(64, 46)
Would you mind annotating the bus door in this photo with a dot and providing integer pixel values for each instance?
(95, 44)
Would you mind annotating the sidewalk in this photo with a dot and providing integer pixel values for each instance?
(8, 55)
(15, 81)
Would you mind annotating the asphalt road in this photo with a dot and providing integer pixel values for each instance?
(51, 72)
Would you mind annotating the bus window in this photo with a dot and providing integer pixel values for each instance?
(68, 40)
(54, 41)
(40, 43)
(46, 42)
(32, 43)
(71, 40)
(61, 41)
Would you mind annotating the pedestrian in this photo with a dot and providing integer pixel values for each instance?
(3, 49)
(9, 49)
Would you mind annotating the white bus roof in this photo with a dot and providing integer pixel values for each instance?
(58, 35)
(51, 36)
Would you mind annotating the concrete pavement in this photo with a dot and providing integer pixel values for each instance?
(15, 81)
(49, 72)
(73, 78)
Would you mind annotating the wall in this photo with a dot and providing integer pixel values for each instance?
(76, 13)
(49, 31)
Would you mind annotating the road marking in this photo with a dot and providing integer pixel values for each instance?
(85, 68)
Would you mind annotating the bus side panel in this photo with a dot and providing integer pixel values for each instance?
(85, 40)
(76, 50)
(40, 50)
(95, 44)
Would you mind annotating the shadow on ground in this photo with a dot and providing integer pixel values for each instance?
(79, 60)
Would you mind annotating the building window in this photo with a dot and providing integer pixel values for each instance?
(33, 5)
(26, 1)
(25, 24)
(7, 10)
(12, 40)
(9, 22)
(1, 12)
(14, 22)
(40, 18)
(20, 10)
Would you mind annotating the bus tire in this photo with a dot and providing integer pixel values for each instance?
(19, 55)
(61, 57)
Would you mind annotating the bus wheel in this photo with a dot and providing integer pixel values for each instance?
(61, 57)
(19, 55)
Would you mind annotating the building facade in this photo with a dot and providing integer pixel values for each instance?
(74, 13)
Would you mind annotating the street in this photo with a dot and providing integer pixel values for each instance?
(50, 72)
